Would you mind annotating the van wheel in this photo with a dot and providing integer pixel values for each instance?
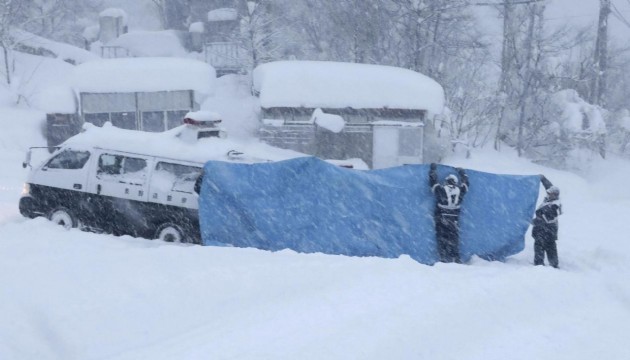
(62, 216)
(170, 233)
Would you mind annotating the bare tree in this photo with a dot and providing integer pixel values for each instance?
(12, 14)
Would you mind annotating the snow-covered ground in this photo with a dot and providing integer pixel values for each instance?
(78, 295)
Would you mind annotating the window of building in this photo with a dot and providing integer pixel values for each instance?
(410, 141)
(153, 121)
(69, 160)
(124, 120)
(175, 118)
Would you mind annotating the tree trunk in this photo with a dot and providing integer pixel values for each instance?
(527, 77)
(506, 61)
(5, 52)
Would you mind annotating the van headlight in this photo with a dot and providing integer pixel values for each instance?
(26, 189)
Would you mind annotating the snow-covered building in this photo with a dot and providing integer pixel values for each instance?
(345, 110)
(148, 94)
(214, 30)
(60, 105)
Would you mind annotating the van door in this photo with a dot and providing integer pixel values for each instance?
(65, 170)
(122, 176)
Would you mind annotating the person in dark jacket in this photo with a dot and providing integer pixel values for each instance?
(448, 200)
(545, 230)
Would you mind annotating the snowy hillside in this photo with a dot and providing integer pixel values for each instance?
(77, 295)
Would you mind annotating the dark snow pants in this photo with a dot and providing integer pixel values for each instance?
(544, 245)
(447, 235)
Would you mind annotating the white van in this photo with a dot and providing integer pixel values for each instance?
(138, 183)
(116, 192)
(119, 181)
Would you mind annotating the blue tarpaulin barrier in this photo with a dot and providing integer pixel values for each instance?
(309, 205)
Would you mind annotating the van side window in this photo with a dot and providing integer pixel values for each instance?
(122, 168)
(175, 177)
(69, 160)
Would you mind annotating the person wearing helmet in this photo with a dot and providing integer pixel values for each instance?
(448, 200)
(545, 229)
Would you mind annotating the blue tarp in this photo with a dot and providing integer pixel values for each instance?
(309, 205)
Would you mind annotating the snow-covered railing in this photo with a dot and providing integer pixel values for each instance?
(224, 56)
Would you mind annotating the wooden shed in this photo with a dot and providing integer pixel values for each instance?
(383, 110)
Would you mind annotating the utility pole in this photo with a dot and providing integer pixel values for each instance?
(600, 59)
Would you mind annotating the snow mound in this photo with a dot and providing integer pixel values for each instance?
(144, 74)
(332, 122)
(52, 48)
(324, 84)
(58, 99)
(21, 128)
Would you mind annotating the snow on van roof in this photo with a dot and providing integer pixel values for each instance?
(144, 74)
(172, 144)
(325, 84)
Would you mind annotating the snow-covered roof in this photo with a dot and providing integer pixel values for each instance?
(196, 27)
(53, 99)
(144, 74)
(60, 50)
(172, 144)
(114, 12)
(223, 14)
(323, 84)
(151, 43)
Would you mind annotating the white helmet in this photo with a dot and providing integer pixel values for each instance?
(452, 180)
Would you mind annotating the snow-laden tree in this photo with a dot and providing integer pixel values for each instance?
(261, 27)
(61, 20)
(13, 13)
(571, 133)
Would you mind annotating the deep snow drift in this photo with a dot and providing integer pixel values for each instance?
(77, 295)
